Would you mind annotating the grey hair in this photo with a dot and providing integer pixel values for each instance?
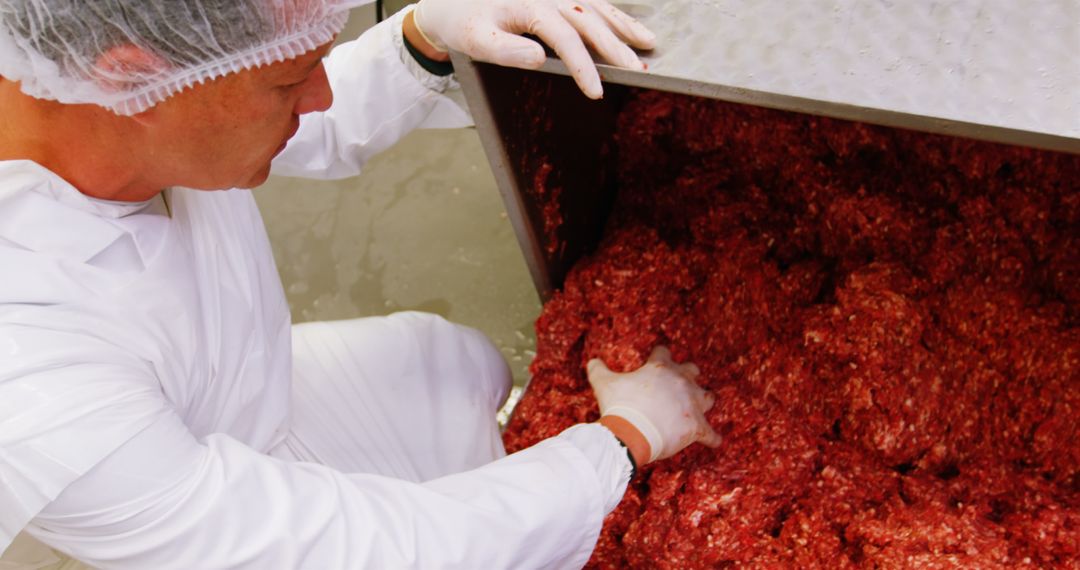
(68, 30)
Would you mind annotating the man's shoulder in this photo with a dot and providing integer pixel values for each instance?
(40, 213)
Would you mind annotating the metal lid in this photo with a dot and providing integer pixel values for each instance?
(993, 69)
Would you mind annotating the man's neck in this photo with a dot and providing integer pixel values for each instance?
(93, 149)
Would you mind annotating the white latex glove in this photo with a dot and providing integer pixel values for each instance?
(660, 399)
(488, 31)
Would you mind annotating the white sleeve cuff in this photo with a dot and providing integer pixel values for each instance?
(437, 83)
(608, 457)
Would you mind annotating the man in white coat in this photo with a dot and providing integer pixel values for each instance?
(158, 410)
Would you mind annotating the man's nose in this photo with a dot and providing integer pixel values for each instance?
(317, 95)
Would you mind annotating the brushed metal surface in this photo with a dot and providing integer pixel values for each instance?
(997, 63)
(994, 70)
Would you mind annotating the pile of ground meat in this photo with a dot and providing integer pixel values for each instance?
(887, 318)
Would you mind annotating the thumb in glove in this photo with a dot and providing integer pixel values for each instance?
(660, 399)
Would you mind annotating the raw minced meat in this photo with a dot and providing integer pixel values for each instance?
(888, 321)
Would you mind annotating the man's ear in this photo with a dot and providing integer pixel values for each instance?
(127, 66)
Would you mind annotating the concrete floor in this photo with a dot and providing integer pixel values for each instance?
(422, 228)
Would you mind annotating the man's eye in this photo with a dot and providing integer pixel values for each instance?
(290, 84)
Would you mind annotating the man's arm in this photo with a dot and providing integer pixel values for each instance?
(166, 500)
(381, 93)
(378, 99)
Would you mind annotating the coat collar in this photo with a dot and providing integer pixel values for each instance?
(41, 212)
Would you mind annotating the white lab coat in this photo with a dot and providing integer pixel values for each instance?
(157, 410)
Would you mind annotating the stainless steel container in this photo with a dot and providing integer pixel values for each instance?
(994, 70)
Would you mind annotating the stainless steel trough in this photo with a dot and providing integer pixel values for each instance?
(994, 70)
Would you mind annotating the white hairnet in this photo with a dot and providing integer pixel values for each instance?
(129, 55)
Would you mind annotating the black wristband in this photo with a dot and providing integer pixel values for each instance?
(630, 456)
(440, 68)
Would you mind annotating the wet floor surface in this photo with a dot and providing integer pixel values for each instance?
(422, 228)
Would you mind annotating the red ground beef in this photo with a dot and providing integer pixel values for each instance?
(888, 320)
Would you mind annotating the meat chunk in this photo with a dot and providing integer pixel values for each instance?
(888, 320)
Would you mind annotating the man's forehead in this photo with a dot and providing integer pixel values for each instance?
(306, 61)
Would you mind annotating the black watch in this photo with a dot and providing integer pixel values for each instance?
(440, 68)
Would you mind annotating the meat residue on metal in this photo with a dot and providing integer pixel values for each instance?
(550, 202)
(888, 320)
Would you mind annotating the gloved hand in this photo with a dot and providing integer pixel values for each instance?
(488, 30)
(660, 399)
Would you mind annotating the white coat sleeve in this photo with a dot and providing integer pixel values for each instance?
(378, 99)
(66, 402)
(165, 500)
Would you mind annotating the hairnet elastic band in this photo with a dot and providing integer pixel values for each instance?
(285, 49)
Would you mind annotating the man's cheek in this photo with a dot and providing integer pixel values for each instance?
(258, 179)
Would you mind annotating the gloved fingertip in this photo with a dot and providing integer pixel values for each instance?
(509, 50)
(525, 56)
(534, 58)
(710, 401)
(660, 353)
(711, 439)
(592, 89)
(645, 39)
(639, 36)
(629, 60)
(596, 366)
